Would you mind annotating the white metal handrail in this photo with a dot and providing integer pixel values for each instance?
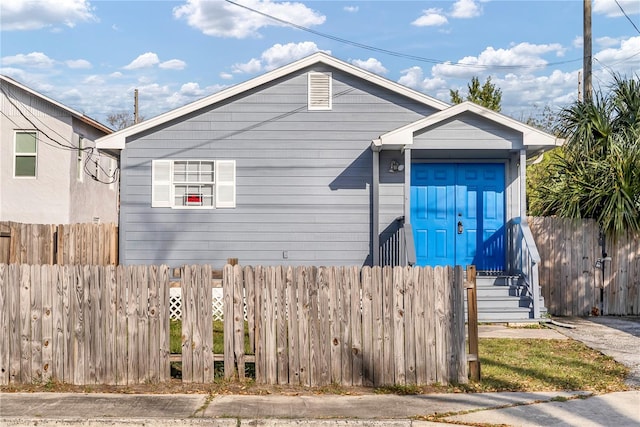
(527, 261)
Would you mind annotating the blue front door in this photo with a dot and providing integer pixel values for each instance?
(457, 214)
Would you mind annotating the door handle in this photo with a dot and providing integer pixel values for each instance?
(460, 227)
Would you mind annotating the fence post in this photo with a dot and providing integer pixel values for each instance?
(472, 322)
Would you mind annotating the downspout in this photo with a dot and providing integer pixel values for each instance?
(375, 203)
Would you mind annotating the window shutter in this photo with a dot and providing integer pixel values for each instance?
(161, 184)
(226, 184)
(319, 91)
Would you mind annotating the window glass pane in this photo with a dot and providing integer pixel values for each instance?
(206, 172)
(193, 195)
(25, 166)
(26, 142)
(179, 171)
(179, 191)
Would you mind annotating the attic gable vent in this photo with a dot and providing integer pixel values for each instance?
(319, 91)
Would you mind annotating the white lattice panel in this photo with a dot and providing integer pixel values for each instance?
(175, 304)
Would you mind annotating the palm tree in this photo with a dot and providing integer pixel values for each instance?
(597, 173)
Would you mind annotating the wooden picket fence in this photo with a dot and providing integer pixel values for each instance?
(575, 279)
(307, 325)
(85, 244)
(347, 325)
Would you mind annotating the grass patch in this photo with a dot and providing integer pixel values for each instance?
(545, 365)
(175, 337)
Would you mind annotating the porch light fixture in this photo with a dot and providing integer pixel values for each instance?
(395, 167)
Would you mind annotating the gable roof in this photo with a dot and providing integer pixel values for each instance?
(118, 139)
(78, 115)
(535, 140)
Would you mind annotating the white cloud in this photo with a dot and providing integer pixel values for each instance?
(370, 64)
(189, 92)
(116, 75)
(78, 64)
(610, 9)
(431, 18)
(280, 54)
(192, 89)
(577, 42)
(465, 9)
(145, 60)
(519, 89)
(222, 19)
(415, 79)
(625, 59)
(226, 76)
(94, 79)
(276, 56)
(351, 9)
(526, 91)
(173, 64)
(253, 66)
(523, 54)
(607, 41)
(16, 73)
(32, 60)
(34, 15)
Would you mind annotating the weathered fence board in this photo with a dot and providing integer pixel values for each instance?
(74, 324)
(577, 278)
(86, 244)
(4, 321)
(352, 328)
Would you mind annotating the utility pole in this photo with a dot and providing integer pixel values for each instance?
(586, 42)
(135, 106)
(579, 86)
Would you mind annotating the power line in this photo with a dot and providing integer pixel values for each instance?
(63, 145)
(627, 16)
(617, 62)
(398, 54)
(60, 145)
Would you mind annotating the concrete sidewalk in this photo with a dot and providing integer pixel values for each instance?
(515, 409)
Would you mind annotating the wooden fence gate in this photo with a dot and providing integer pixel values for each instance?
(576, 279)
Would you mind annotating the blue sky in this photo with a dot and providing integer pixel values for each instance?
(91, 55)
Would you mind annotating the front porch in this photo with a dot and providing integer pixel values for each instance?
(512, 295)
(450, 189)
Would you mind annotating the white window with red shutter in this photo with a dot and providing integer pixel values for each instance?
(193, 184)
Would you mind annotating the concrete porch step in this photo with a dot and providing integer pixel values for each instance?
(500, 299)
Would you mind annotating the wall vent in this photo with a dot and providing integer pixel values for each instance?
(319, 91)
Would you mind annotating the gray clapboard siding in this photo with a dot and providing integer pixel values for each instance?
(470, 130)
(303, 178)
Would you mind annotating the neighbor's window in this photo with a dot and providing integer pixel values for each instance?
(26, 153)
(193, 184)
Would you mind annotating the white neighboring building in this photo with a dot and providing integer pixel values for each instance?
(50, 172)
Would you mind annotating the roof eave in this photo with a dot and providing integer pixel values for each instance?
(80, 116)
(118, 139)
